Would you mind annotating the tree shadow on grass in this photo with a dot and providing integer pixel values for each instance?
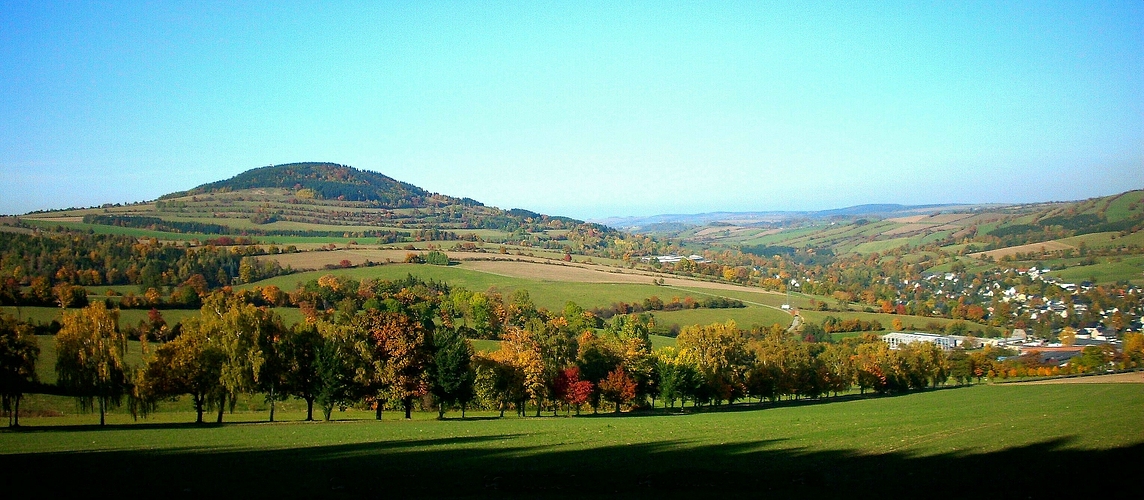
(25, 429)
(747, 406)
(503, 466)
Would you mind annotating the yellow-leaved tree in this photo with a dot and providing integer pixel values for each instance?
(90, 358)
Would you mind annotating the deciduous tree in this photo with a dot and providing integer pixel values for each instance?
(720, 353)
(596, 358)
(403, 348)
(235, 328)
(618, 387)
(571, 390)
(190, 364)
(90, 358)
(18, 354)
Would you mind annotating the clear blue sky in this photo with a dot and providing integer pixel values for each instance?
(589, 111)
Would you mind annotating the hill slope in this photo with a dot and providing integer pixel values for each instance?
(328, 181)
(328, 200)
(878, 228)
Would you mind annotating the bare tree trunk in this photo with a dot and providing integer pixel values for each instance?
(102, 411)
(16, 412)
(309, 409)
(408, 403)
(272, 401)
(378, 408)
(199, 401)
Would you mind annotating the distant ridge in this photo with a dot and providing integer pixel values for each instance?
(876, 209)
(746, 218)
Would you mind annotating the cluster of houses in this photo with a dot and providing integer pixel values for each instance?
(1042, 306)
(951, 286)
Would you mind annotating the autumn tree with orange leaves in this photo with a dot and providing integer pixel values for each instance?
(618, 387)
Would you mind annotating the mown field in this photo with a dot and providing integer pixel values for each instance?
(1002, 441)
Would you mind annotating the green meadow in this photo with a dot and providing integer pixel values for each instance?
(552, 295)
(1001, 441)
(1106, 270)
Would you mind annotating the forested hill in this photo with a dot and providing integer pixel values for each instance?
(330, 181)
(328, 200)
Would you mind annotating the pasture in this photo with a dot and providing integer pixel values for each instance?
(550, 285)
(1003, 441)
(1106, 270)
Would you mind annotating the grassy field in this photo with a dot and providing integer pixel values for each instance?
(1102, 240)
(132, 317)
(745, 317)
(1118, 207)
(880, 245)
(549, 294)
(486, 346)
(940, 443)
(1106, 270)
(129, 231)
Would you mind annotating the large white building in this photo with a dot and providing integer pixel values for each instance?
(897, 339)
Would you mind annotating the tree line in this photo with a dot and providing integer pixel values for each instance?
(406, 346)
(40, 262)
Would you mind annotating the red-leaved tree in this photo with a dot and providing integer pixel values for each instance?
(618, 387)
(571, 390)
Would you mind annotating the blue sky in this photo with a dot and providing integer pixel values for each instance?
(580, 109)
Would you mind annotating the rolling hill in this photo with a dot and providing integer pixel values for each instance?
(328, 181)
(324, 202)
(866, 229)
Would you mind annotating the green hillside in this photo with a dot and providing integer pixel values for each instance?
(328, 181)
(314, 203)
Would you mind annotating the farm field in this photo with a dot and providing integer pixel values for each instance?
(1044, 246)
(549, 285)
(487, 346)
(922, 444)
(745, 318)
(1106, 270)
(358, 255)
(549, 294)
(1103, 240)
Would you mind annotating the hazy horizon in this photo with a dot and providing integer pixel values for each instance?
(589, 111)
